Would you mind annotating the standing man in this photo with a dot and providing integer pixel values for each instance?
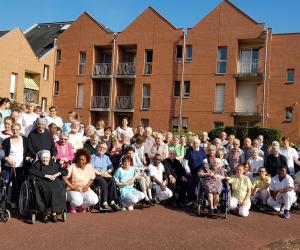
(53, 118)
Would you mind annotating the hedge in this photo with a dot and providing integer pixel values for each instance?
(241, 133)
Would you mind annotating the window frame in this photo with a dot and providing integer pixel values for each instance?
(188, 59)
(220, 61)
(185, 93)
(77, 95)
(81, 68)
(287, 76)
(146, 97)
(215, 109)
(46, 72)
(286, 118)
(56, 88)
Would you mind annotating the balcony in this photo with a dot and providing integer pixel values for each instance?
(248, 110)
(126, 70)
(148, 68)
(249, 69)
(99, 103)
(102, 70)
(124, 103)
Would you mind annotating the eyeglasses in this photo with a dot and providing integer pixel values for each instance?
(63, 139)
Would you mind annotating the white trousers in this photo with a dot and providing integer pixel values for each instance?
(243, 210)
(285, 199)
(163, 195)
(260, 196)
(84, 199)
(133, 198)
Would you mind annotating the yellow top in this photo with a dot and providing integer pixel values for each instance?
(240, 187)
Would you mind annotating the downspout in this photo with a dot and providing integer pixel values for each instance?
(182, 82)
(112, 89)
(54, 68)
(265, 80)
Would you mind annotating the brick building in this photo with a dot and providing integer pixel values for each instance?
(231, 70)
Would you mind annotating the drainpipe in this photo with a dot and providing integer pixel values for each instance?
(54, 68)
(112, 87)
(182, 82)
(265, 80)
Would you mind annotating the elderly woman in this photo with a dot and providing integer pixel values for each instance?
(218, 144)
(211, 179)
(81, 175)
(16, 149)
(89, 131)
(64, 150)
(241, 191)
(282, 194)
(125, 177)
(51, 192)
(255, 161)
(235, 156)
(177, 147)
(92, 143)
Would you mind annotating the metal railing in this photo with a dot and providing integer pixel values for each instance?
(126, 68)
(248, 67)
(248, 108)
(124, 102)
(148, 68)
(102, 69)
(99, 101)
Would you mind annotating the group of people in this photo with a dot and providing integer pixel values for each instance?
(70, 159)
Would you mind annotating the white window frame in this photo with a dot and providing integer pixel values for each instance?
(219, 100)
(80, 102)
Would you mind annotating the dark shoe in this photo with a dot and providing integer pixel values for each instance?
(45, 219)
(152, 202)
(53, 218)
(286, 214)
(211, 211)
(216, 211)
(147, 203)
(115, 207)
(105, 206)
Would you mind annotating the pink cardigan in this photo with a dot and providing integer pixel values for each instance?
(68, 154)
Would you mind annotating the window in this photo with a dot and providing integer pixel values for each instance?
(186, 90)
(290, 75)
(179, 53)
(144, 123)
(219, 98)
(82, 61)
(189, 53)
(146, 96)
(176, 123)
(222, 57)
(46, 72)
(58, 56)
(148, 62)
(13, 83)
(44, 104)
(56, 88)
(288, 114)
(219, 124)
(80, 95)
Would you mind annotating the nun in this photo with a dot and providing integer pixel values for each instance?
(50, 188)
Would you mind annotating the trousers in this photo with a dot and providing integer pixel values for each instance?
(134, 197)
(260, 196)
(243, 210)
(108, 188)
(84, 199)
(285, 199)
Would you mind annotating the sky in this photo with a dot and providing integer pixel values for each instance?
(281, 15)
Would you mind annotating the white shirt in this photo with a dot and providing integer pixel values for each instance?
(28, 121)
(157, 172)
(128, 132)
(56, 120)
(16, 153)
(76, 141)
(255, 164)
(285, 183)
(291, 156)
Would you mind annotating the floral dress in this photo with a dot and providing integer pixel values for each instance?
(211, 184)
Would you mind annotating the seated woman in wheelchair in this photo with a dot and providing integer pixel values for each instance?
(103, 169)
(211, 178)
(125, 177)
(50, 192)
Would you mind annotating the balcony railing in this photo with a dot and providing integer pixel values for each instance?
(126, 68)
(249, 67)
(124, 102)
(102, 69)
(100, 102)
(148, 68)
(248, 109)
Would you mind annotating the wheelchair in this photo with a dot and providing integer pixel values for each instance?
(202, 202)
(4, 212)
(27, 200)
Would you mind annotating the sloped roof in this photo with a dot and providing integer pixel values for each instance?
(41, 36)
(3, 32)
(99, 24)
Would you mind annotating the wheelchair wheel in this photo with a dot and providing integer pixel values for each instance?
(24, 199)
(64, 216)
(33, 218)
(5, 217)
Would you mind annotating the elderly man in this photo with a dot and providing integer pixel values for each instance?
(103, 169)
(149, 141)
(159, 147)
(290, 154)
(193, 161)
(235, 156)
(247, 148)
(275, 161)
(139, 132)
(223, 137)
(40, 139)
(204, 140)
(53, 118)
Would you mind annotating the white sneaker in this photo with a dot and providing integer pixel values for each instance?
(130, 208)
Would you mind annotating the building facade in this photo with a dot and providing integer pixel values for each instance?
(229, 69)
